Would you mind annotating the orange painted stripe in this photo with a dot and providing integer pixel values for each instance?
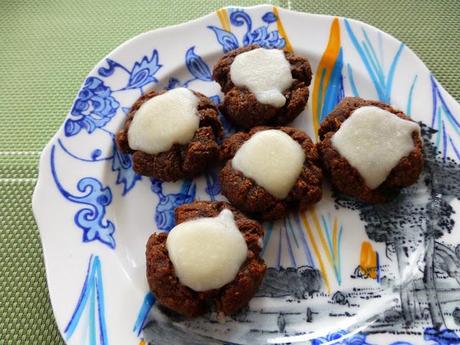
(316, 250)
(142, 342)
(223, 17)
(326, 63)
(281, 30)
(368, 260)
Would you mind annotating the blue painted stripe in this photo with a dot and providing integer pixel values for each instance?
(334, 90)
(377, 268)
(444, 141)
(146, 306)
(363, 56)
(455, 149)
(85, 292)
(287, 223)
(354, 89)
(268, 235)
(409, 98)
(92, 320)
(307, 251)
(327, 227)
(291, 253)
(373, 56)
(435, 101)
(339, 244)
(280, 248)
(391, 73)
(101, 304)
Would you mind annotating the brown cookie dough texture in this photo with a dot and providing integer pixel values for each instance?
(347, 179)
(240, 105)
(181, 161)
(229, 298)
(245, 194)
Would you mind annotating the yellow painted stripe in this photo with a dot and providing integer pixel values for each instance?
(335, 240)
(326, 63)
(322, 239)
(223, 17)
(281, 30)
(316, 250)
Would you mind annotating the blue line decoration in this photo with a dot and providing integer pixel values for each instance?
(90, 219)
(444, 121)
(122, 164)
(94, 108)
(91, 298)
(382, 81)
(164, 211)
(143, 313)
(261, 35)
(268, 234)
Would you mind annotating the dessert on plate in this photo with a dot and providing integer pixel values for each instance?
(171, 134)
(262, 86)
(370, 150)
(208, 261)
(269, 171)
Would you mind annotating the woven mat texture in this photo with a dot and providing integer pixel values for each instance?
(46, 49)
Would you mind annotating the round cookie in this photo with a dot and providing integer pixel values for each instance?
(241, 106)
(346, 178)
(245, 194)
(181, 160)
(229, 298)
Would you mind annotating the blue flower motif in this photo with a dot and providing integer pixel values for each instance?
(261, 35)
(90, 219)
(336, 338)
(196, 65)
(164, 211)
(143, 72)
(122, 164)
(94, 108)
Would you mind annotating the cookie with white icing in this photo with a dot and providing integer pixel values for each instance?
(171, 134)
(262, 86)
(270, 170)
(370, 150)
(209, 260)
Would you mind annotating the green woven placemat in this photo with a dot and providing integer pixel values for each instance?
(46, 50)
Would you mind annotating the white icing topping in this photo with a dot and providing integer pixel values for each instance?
(207, 253)
(373, 141)
(272, 159)
(167, 119)
(265, 72)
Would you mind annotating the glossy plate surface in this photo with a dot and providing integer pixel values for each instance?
(343, 272)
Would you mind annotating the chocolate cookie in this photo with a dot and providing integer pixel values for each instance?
(180, 161)
(245, 194)
(228, 299)
(345, 177)
(241, 106)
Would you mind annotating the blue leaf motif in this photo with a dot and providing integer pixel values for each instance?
(227, 40)
(269, 18)
(90, 219)
(212, 185)
(240, 18)
(164, 211)
(196, 65)
(172, 83)
(94, 108)
(122, 164)
(143, 72)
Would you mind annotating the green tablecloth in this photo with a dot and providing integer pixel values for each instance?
(47, 48)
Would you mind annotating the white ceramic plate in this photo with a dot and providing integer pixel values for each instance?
(342, 272)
